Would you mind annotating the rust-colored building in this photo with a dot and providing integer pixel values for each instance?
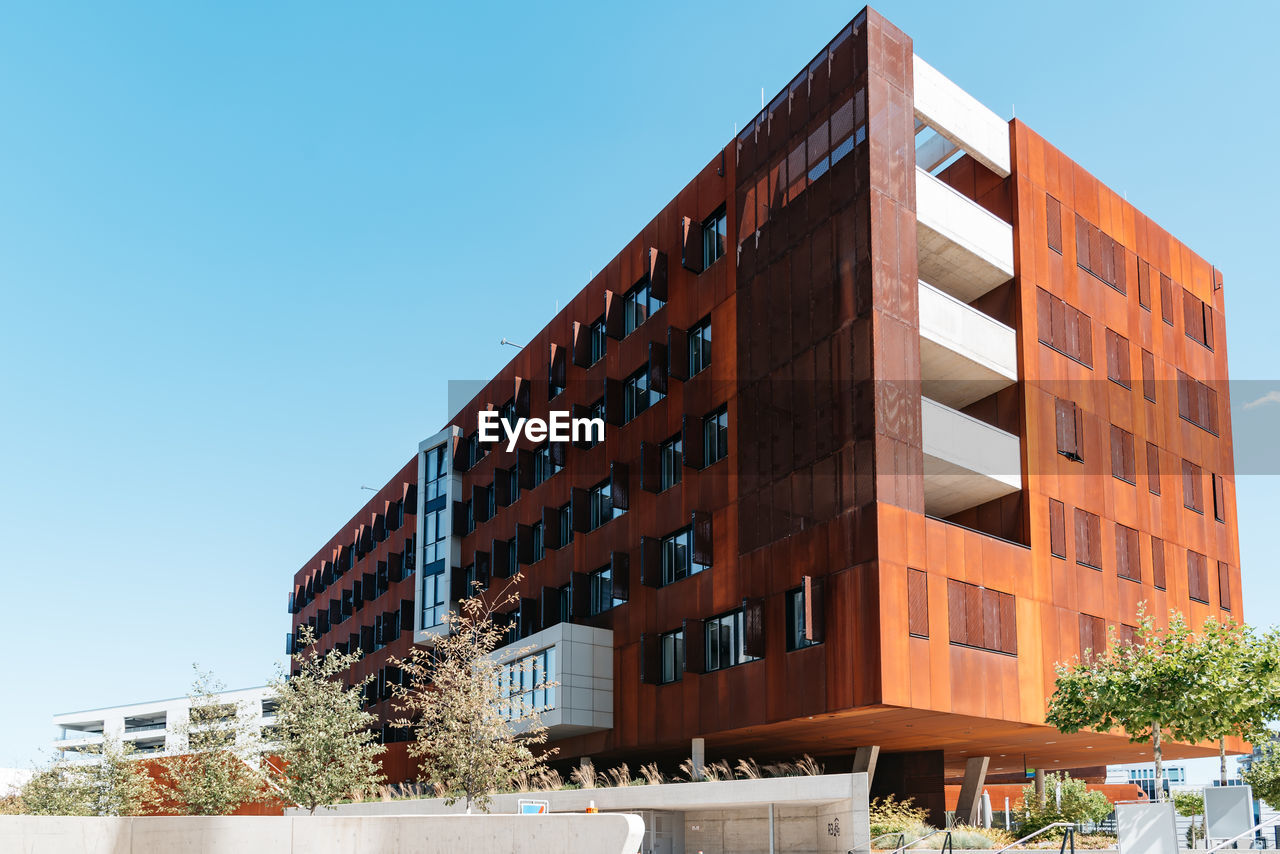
(903, 407)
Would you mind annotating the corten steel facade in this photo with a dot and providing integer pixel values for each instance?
(976, 413)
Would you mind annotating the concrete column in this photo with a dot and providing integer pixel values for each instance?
(699, 757)
(969, 805)
(864, 762)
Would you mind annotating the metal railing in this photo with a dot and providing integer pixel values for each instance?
(946, 841)
(1068, 838)
(1250, 832)
(902, 838)
(144, 727)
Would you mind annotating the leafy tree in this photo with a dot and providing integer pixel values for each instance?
(1067, 799)
(220, 767)
(112, 784)
(1158, 687)
(1246, 686)
(470, 738)
(326, 742)
(1264, 774)
(1189, 805)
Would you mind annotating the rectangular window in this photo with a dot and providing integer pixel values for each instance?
(436, 472)
(1149, 376)
(1166, 299)
(637, 396)
(670, 459)
(917, 603)
(544, 464)
(1069, 427)
(725, 641)
(596, 410)
(1198, 319)
(1197, 576)
(672, 650)
(677, 556)
(1088, 539)
(1099, 254)
(1153, 469)
(435, 595)
(1053, 222)
(1197, 403)
(527, 685)
(602, 598)
(1128, 564)
(513, 558)
(638, 305)
(1224, 586)
(539, 544)
(1219, 498)
(982, 618)
(601, 504)
(1123, 465)
(1118, 359)
(699, 348)
(1157, 563)
(1093, 636)
(796, 638)
(1144, 285)
(1057, 528)
(1064, 328)
(715, 436)
(1192, 488)
(599, 341)
(565, 517)
(715, 231)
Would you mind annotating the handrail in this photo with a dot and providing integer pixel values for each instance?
(902, 837)
(1239, 836)
(946, 843)
(1070, 833)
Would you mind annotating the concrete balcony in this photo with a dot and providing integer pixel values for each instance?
(960, 118)
(577, 662)
(967, 462)
(963, 248)
(965, 355)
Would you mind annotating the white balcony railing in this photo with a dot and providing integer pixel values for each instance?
(962, 248)
(967, 462)
(965, 355)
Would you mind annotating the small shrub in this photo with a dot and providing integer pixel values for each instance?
(889, 815)
(585, 776)
(748, 769)
(652, 776)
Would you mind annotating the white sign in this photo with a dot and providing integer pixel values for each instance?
(1228, 811)
(528, 806)
(1147, 828)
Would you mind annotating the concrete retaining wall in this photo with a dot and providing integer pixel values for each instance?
(615, 833)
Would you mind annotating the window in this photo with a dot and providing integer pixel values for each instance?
(598, 341)
(1148, 375)
(1192, 488)
(527, 685)
(602, 598)
(1093, 636)
(1197, 403)
(1157, 563)
(1219, 498)
(1128, 565)
(435, 538)
(1069, 426)
(677, 557)
(565, 515)
(982, 618)
(1166, 299)
(1224, 586)
(470, 514)
(513, 482)
(596, 410)
(796, 638)
(1088, 539)
(715, 230)
(513, 558)
(1118, 359)
(1099, 254)
(1197, 576)
(539, 545)
(1153, 469)
(436, 472)
(725, 641)
(1064, 328)
(1199, 320)
(544, 464)
(601, 504)
(715, 436)
(699, 348)
(672, 650)
(638, 306)
(1053, 220)
(1057, 528)
(1122, 462)
(435, 595)
(670, 459)
(636, 394)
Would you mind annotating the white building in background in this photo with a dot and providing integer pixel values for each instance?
(1179, 774)
(155, 727)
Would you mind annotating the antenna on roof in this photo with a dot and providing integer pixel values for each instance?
(762, 97)
(370, 488)
(511, 344)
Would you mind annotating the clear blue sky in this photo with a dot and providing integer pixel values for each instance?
(243, 245)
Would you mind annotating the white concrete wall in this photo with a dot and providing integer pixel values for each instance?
(961, 118)
(591, 834)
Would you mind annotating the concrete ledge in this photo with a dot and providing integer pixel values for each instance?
(615, 833)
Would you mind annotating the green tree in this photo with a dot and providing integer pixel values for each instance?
(1158, 687)
(471, 735)
(325, 738)
(1246, 687)
(1264, 774)
(112, 783)
(219, 769)
(1066, 799)
(1189, 805)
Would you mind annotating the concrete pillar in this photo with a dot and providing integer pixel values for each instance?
(1040, 786)
(969, 805)
(864, 762)
(699, 757)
